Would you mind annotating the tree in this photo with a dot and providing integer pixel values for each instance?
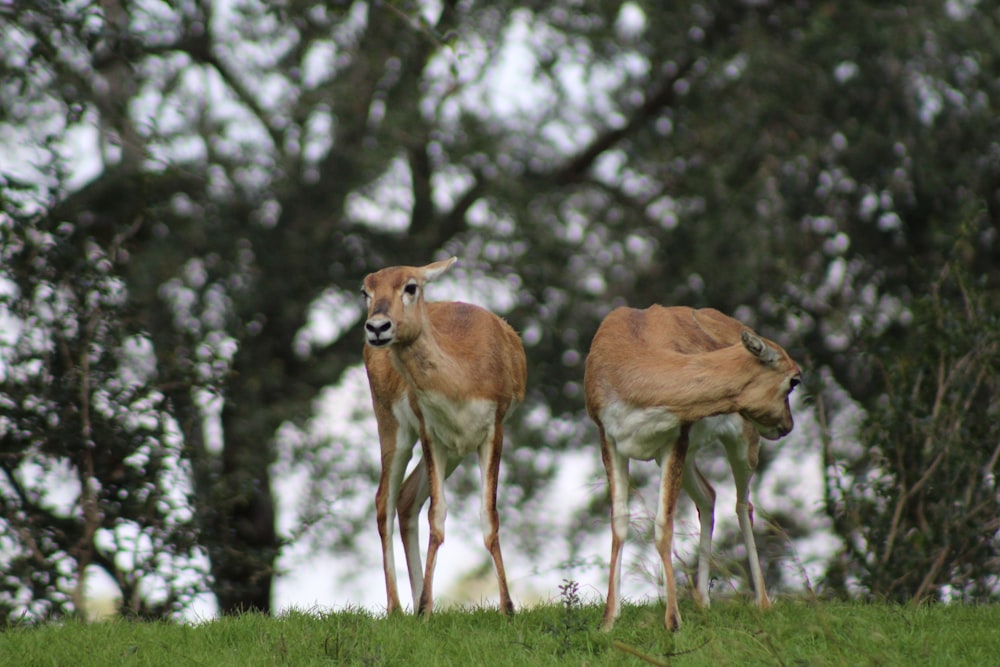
(81, 417)
(786, 163)
(919, 508)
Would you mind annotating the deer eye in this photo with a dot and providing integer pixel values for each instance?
(411, 289)
(793, 383)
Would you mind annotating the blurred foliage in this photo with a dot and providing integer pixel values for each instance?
(208, 182)
(920, 506)
(92, 473)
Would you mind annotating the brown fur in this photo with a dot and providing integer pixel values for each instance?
(695, 364)
(439, 351)
(690, 361)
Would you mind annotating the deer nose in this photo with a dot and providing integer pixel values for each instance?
(379, 331)
(378, 327)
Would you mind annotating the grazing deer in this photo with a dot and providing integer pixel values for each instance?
(662, 381)
(449, 373)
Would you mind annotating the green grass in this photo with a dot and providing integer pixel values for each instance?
(732, 632)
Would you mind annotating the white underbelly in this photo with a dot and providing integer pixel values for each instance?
(648, 434)
(459, 427)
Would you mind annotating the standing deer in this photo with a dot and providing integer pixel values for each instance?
(662, 381)
(449, 373)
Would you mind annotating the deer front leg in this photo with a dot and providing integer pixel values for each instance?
(384, 510)
(740, 463)
(435, 458)
(412, 496)
(394, 460)
(670, 488)
(489, 469)
(703, 495)
(616, 466)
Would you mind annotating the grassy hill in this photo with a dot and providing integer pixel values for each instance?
(732, 632)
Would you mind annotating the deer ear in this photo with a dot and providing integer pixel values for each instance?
(432, 271)
(758, 348)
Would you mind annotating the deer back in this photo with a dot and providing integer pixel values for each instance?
(696, 363)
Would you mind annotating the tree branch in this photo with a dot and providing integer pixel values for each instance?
(657, 99)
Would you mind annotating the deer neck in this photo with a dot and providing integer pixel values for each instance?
(712, 383)
(423, 363)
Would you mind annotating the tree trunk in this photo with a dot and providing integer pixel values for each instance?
(241, 533)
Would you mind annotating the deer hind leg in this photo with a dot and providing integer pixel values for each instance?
(412, 496)
(703, 495)
(616, 466)
(670, 488)
(489, 469)
(742, 455)
(397, 446)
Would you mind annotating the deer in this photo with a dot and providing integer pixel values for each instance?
(660, 384)
(447, 374)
